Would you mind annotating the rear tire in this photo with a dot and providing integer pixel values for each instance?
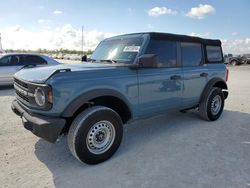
(234, 63)
(212, 104)
(95, 135)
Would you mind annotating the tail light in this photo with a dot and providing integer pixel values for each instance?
(227, 74)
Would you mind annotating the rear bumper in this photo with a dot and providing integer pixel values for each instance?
(42, 126)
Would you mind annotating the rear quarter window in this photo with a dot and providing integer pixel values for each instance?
(214, 54)
(33, 59)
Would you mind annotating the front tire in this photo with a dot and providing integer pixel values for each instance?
(95, 135)
(212, 105)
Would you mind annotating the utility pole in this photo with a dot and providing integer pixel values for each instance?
(1, 48)
(82, 41)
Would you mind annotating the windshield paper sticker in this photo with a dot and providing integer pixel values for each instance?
(131, 49)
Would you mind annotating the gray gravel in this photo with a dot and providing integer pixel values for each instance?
(175, 150)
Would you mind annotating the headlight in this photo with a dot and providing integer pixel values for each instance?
(40, 97)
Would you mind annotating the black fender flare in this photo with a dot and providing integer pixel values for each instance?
(234, 59)
(87, 96)
(213, 82)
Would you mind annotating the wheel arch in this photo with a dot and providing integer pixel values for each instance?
(234, 59)
(106, 97)
(215, 82)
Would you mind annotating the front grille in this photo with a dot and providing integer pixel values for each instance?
(22, 91)
(22, 96)
(25, 94)
(19, 82)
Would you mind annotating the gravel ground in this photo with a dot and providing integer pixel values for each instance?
(176, 150)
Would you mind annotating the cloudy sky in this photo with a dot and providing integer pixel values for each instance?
(54, 24)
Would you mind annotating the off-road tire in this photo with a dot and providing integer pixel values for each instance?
(79, 131)
(205, 105)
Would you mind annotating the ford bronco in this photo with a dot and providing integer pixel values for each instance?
(128, 77)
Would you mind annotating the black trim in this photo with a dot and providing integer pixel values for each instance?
(184, 38)
(210, 85)
(176, 37)
(42, 126)
(85, 97)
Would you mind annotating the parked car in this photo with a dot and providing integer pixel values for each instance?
(11, 63)
(245, 58)
(233, 60)
(227, 58)
(2, 52)
(76, 57)
(129, 77)
(237, 60)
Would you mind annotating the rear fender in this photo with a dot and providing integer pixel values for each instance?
(215, 82)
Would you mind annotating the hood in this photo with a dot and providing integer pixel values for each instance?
(41, 74)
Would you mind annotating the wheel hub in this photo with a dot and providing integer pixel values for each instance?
(216, 105)
(100, 137)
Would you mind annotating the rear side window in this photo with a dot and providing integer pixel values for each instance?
(166, 51)
(32, 59)
(214, 53)
(191, 54)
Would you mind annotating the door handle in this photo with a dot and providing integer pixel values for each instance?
(175, 77)
(203, 74)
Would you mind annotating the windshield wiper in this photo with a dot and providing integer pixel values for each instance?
(108, 60)
(92, 60)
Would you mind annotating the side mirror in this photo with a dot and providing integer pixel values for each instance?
(84, 58)
(148, 61)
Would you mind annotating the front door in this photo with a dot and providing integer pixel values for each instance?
(9, 65)
(160, 88)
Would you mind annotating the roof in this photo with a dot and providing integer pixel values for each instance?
(16, 53)
(184, 38)
(177, 37)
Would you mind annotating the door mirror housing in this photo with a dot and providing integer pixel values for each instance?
(84, 58)
(148, 61)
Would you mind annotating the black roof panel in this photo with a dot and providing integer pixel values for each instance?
(184, 38)
(177, 37)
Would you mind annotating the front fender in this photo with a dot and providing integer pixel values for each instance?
(87, 96)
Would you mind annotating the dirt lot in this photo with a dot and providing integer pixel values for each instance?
(175, 150)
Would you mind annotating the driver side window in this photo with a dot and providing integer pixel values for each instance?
(166, 51)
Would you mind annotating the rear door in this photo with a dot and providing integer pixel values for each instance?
(195, 73)
(9, 65)
(160, 88)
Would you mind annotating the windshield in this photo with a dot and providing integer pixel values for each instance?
(118, 50)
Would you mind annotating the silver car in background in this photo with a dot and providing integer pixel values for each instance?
(11, 63)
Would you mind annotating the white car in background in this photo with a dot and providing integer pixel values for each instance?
(11, 63)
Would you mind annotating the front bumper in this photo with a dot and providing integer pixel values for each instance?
(42, 126)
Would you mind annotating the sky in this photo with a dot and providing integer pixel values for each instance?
(55, 24)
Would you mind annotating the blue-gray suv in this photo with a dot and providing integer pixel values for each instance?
(128, 77)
